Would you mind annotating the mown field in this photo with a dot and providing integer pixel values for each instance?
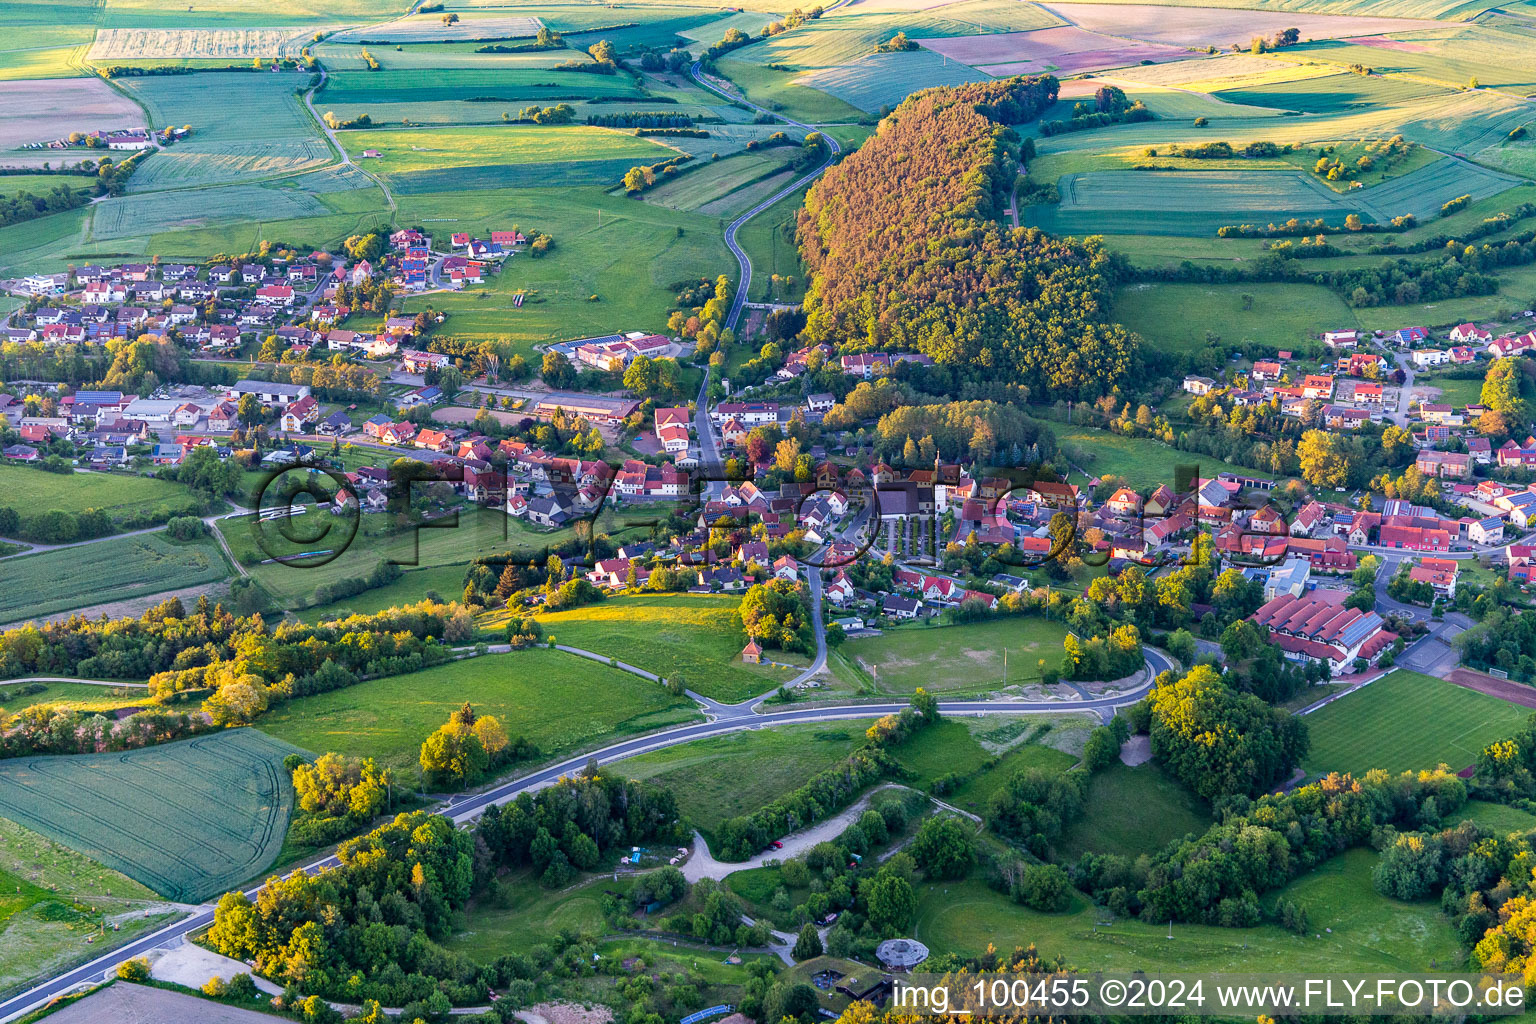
(1181, 317)
(1404, 721)
(112, 570)
(30, 491)
(693, 637)
(52, 901)
(1132, 811)
(969, 657)
(41, 184)
(559, 702)
(725, 776)
(189, 820)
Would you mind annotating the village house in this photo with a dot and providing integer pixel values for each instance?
(1197, 385)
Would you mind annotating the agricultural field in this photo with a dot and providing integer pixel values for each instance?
(132, 45)
(48, 110)
(152, 213)
(1211, 26)
(117, 569)
(244, 127)
(693, 637)
(189, 819)
(53, 902)
(30, 491)
(79, 696)
(725, 776)
(559, 702)
(42, 184)
(437, 160)
(1406, 721)
(969, 657)
(716, 187)
(1179, 317)
(428, 28)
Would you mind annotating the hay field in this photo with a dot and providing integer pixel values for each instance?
(139, 44)
(1205, 26)
(426, 28)
(40, 111)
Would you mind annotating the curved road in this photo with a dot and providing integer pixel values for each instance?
(464, 809)
(742, 261)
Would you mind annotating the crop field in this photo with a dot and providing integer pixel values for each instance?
(1448, 54)
(1368, 932)
(427, 28)
(245, 126)
(189, 820)
(1449, 10)
(694, 637)
(47, 110)
(135, 216)
(1424, 191)
(55, 581)
(559, 702)
(969, 657)
(1132, 811)
(339, 57)
(500, 86)
(723, 776)
(709, 185)
(1065, 49)
(1205, 26)
(1405, 721)
(41, 50)
(137, 44)
(1176, 317)
(439, 160)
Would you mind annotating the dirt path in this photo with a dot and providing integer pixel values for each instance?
(1504, 689)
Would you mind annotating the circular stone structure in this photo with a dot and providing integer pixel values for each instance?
(901, 954)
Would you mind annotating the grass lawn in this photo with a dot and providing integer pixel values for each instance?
(1453, 391)
(1404, 721)
(692, 636)
(1370, 932)
(724, 776)
(952, 658)
(189, 819)
(1178, 317)
(531, 915)
(52, 900)
(113, 570)
(1133, 811)
(561, 703)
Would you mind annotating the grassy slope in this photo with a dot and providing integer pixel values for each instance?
(689, 636)
(1133, 811)
(1407, 720)
(559, 702)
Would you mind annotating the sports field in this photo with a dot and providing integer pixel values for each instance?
(724, 776)
(55, 581)
(1405, 721)
(695, 637)
(969, 657)
(189, 820)
(559, 702)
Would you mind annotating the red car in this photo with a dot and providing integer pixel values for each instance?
(777, 845)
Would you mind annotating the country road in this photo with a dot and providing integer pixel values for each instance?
(464, 809)
(742, 260)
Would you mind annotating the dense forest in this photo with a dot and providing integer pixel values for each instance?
(905, 251)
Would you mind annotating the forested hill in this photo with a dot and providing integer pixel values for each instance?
(905, 251)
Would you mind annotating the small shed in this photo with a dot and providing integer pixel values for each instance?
(752, 654)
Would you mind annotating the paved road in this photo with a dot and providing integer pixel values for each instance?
(742, 261)
(464, 809)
